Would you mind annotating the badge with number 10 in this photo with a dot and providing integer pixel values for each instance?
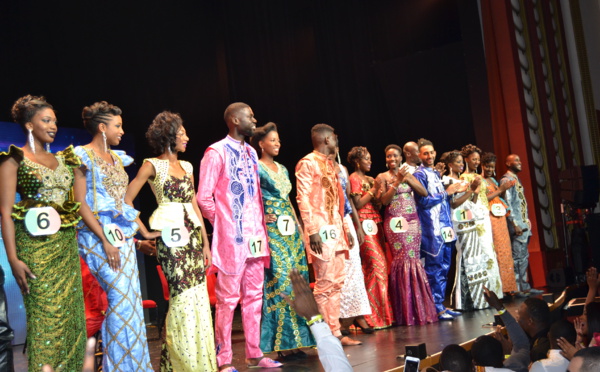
(42, 221)
(114, 234)
(286, 225)
(175, 236)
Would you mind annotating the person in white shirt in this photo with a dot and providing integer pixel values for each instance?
(555, 362)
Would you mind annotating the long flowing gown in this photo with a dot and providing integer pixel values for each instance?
(354, 300)
(502, 241)
(281, 328)
(56, 333)
(373, 260)
(411, 296)
(123, 329)
(189, 343)
(476, 264)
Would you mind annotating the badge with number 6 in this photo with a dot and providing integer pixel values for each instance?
(42, 221)
(448, 234)
(498, 210)
(257, 246)
(329, 233)
(398, 224)
(175, 236)
(286, 225)
(369, 227)
(114, 234)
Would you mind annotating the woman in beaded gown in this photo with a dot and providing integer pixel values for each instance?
(103, 190)
(409, 288)
(498, 218)
(362, 191)
(41, 245)
(281, 329)
(189, 343)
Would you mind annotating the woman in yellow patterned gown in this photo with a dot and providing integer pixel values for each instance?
(42, 250)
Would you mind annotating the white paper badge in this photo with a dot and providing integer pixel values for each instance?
(175, 236)
(369, 227)
(448, 234)
(256, 246)
(398, 224)
(42, 221)
(114, 234)
(329, 233)
(498, 210)
(286, 225)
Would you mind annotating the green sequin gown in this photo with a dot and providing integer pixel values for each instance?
(56, 333)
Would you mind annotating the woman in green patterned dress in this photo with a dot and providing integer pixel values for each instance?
(40, 238)
(281, 328)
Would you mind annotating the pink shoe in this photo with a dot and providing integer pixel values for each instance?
(265, 362)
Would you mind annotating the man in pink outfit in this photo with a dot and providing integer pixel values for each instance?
(229, 197)
(320, 201)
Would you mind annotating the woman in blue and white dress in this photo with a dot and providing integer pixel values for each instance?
(106, 240)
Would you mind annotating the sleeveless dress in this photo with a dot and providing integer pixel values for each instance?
(281, 328)
(354, 300)
(56, 333)
(411, 296)
(123, 329)
(502, 241)
(374, 261)
(476, 264)
(189, 343)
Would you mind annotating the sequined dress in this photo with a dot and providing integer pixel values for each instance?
(281, 328)
(56, 333)
(373, 260)
(189, 344)
(123, 329)
(410, 292)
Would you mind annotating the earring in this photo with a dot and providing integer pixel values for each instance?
(104, 139)
(169, 149)
(31, 141)
(47, 147)
(339, 160)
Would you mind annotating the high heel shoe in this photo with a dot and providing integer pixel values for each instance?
(368, 330)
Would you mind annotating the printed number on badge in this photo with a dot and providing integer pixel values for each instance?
(329, 233)
(286, 225)
(448, 234)
(42, 221)
(369, 227)
(257, 246)
(114, 234)
(461, 215)
(175, 236)
(398, 224)
(498, 210)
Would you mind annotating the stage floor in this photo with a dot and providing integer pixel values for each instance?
(377, 353)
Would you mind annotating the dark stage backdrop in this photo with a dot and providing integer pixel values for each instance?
(380, 72)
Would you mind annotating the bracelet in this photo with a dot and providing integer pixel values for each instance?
(138, 243)
(501, 311)
(370, 193)
(315, 319)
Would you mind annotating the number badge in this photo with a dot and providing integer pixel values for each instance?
(398, 224)
(461, 215)
(448, 234)
(286, 225)
(42, 221)
(175, 236)
(256, 246)
(498, 210)
(114, 234)
(369, 227)
(329, 233)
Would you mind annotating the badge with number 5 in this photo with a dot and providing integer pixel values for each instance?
(175, 236)
(286, 225)
(114, 234)
(42, 221)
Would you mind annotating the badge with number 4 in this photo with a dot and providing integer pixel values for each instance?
(461, 215)
(42, 221)
(286, 225)
(175, 236)
(398, 224)
(329, 233)
(369, 227)
(257, 246)
(114, 234)
(448, 234)
(498, 210)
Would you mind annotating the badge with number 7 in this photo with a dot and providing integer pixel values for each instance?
(286, 225)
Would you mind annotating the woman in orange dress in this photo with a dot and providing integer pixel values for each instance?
(498, 213)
